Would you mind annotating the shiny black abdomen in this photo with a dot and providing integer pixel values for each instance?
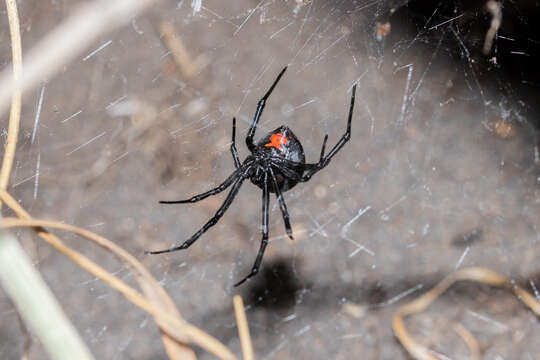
(284, 152)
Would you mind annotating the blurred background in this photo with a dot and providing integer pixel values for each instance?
(441, 172)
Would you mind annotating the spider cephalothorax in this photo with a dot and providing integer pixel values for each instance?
(276, 164)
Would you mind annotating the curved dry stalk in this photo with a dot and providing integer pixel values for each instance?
(37, 305)
(243, 328)
(15, 112)
(495, 9)
(477, 274)
(64, 342)
(148, 283)
(179, 51)
(57, 48)
(470, 340)
(179, 330)
(174, 349)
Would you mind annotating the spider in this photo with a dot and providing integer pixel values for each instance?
(276, 164)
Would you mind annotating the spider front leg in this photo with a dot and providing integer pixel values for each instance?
(211, 222)
(258, 112)
(224, 185)
(311, 169)
(264, 241)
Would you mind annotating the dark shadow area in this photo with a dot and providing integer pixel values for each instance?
(468, 238)
(275, 290)
(275, 287)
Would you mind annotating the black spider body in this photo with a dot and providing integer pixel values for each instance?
(276, 164)
(278, 149)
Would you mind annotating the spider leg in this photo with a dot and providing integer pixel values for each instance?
(311, 169)
(258, 112)
(323, 147)
(282, 204)
(264, 241)
(233, 145)
(287, 168)
(224, 185)
(211, 222)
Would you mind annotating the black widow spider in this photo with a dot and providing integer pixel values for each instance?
(276, 164)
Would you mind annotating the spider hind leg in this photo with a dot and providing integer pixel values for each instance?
(282, 205)
(264, 241)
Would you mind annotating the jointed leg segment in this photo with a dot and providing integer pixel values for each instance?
(264, 241)
(311, 169)
(211, 222)
(234, 152)
(224, 185)
(282, 205)
(258, 112)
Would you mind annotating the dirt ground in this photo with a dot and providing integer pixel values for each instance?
(441, 173)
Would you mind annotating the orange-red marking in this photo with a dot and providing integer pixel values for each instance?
(276, 140)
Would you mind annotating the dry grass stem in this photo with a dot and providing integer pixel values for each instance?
(17, 270)
(172, 325)
(177, 329)
(37, 305)
(15, 112)
(495, 8)
(174, 349)
(243, 329)
(478, 274)
(179, 52)
(470, 340)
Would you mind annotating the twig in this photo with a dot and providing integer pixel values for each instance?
(469, 340)
(477, 274)
(243, 329)
(179, 330)
(24, 285)
(63, 342)
(168, 322)
(15, 112)
(495, 8)
(179, 51)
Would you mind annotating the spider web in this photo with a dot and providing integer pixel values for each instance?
(441, 171)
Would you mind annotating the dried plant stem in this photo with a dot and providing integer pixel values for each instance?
(59, 47)
(37, 305)
(243, 329)
(495, 8)
(179, 330)
(470, 340)
(477, 274)
(180, 54)
(15, 112)
(173, 326)
(17, 275)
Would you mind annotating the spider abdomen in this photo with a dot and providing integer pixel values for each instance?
(282, 152)
(282, 143)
